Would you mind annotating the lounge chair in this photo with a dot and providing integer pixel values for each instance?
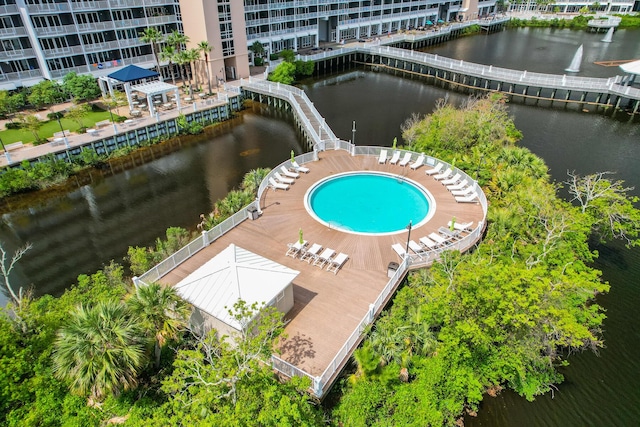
(405, 160)
(288, 173)
(467, 199)
(455, 178)
(435, 169)
(428, 243)
(440, 241)
(444, 175)
(295, 248)
(464, 192)
(324, 257)
(449, 234)
(299, 168)
(311, 253)
(459, 186)
(395, 158)
(336, 263)
(419, 162)
(283, 180)
(399, 249)
(276, 185)
(460, 226)
(383, 157)
(415, 247)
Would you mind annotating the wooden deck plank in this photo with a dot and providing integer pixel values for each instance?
(327, 307)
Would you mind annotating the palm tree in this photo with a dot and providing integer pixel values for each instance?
(153, 36)
(168, 53)
(187, 57)
(194, 56)
(162, 314)
(205, 47)
(100, 350)
(177, 40)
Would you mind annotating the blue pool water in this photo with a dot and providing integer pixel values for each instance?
(368, 203)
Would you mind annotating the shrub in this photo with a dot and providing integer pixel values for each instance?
(13, 125)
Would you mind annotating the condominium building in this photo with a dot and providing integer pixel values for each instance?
(46, 39)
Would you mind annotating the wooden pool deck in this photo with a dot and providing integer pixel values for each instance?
(327, 307)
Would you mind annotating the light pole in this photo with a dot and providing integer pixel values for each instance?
(115, 128)
(6, 152)
(353, 133)
(408, 236)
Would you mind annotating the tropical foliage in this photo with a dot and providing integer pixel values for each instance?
(506, 315)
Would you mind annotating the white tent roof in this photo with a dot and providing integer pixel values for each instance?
(154, 88)
(631, 67)
(234, 274)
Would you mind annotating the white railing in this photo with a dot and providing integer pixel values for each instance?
(194, 246)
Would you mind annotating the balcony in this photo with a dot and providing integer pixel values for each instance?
(56, 31)
(48, 8)
(62, 51)
(7, 55)
(13, 32)
(10, 9)
(90, 5)
(96, 26)
(166, 19)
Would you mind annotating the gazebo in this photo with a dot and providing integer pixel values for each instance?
(235, 274)
(632, 68)
(149, 84)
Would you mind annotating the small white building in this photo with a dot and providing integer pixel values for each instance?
(235, 274)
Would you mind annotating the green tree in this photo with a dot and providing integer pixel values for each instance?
(205, 48)
(154, 37)
(252, 179)
(284, 73)
(162, 314)
(288, 55)
(77, 113)
(11, 103)
(45, 94)
(115, 101)
(608, 204)
(33, 125)
(178, 41)
(101, 350)
(82, 87)
(168, 53)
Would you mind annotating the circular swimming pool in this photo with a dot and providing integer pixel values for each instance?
(369, 203)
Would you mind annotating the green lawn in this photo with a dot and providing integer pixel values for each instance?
(48, 128)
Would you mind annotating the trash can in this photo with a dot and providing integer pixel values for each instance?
(392, 268)
(253, 212)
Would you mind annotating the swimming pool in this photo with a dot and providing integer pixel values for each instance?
(369, 203)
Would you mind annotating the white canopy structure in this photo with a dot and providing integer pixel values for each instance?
(150, 89)
(236, 274)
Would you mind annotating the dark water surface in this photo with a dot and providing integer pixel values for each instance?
(78, 232)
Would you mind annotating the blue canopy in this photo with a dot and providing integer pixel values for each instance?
(429, 23)
(131, 73)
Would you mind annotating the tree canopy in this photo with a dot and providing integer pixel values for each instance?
(82, 87)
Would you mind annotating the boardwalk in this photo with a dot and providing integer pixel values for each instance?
(328, 307)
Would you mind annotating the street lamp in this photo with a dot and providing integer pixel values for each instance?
(115, 129)
(353, 132)
(6, 152)
(408, 236)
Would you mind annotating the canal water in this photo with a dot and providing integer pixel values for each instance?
(78, 232)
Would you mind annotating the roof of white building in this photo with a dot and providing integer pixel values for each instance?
(234, 274)
(631, 67)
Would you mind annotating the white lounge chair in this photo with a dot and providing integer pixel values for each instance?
(276, 185)
(459, 186)
(464, 192)
(435, 169)
(405, 160)
(455, 178)
(415, 247)
(283, 180)
(444, 175)
(438, 239)
(395, 158)
(428, 243)
(399, 249)
(311, 253)
(324, 257)
(288, 173)
(295, 248)
(383, 157)
(336, 263)
(461, 226)
(467, 199)
(299, 168)
(419, 162)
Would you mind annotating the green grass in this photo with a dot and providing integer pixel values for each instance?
(48, 128)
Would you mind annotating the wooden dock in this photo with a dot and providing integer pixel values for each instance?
(328, 308)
